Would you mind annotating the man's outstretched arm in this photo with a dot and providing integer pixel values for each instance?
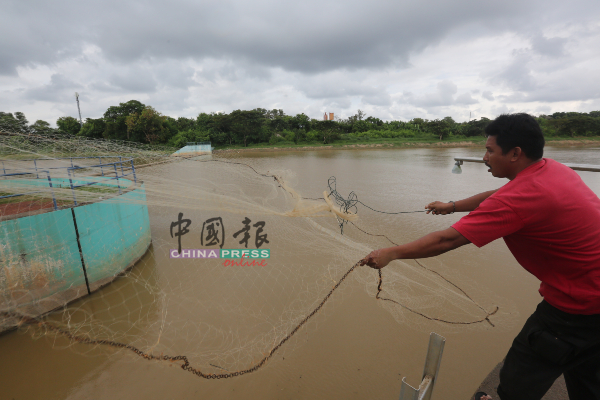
(431, 245)
(465, 205)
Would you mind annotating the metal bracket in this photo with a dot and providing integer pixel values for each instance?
(430, 372)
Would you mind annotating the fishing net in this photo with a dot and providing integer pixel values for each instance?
(155, 265)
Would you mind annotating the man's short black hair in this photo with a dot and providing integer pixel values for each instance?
(518, 130)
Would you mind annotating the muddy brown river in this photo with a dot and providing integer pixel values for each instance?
(354, 349)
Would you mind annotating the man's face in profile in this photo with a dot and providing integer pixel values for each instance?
(497, 162)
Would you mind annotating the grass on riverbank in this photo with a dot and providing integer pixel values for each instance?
(403, 142)
(365, 142)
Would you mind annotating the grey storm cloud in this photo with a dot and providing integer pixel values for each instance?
(192, 56)
(517, 75)
(136, 81)
(574, 86)
(174, 74)
(552, 47)
(59, 88)
(465, 98)
(487, 95)
(232, 72)
(341, 91)
(310, 36)
(442, 96)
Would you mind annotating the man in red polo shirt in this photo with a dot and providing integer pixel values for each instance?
(550, 221)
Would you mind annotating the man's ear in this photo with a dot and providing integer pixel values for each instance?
(515, 154)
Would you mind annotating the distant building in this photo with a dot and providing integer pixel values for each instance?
(325, 118)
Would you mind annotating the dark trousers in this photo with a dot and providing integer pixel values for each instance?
(551, 343)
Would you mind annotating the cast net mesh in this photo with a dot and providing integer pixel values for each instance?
(216, 320)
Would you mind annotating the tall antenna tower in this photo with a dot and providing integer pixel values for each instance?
(78, 109)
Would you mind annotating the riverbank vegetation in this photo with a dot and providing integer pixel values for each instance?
(136, 122)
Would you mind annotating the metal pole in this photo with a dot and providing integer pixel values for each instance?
(100, 159)
(52, 190)
(72, 188)
(117, 177)
(133, 169)
(87, 282)
(121, 162)
(432, 364)
(78, 109)
(408, 392)
(35, 163)
(576, 167)
(430, 372)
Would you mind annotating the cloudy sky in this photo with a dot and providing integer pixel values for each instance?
(395, 59)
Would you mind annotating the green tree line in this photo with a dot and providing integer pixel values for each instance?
(137, 122)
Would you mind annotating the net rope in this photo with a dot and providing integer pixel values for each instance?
(215, 317)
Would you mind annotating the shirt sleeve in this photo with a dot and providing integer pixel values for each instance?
(490, 221)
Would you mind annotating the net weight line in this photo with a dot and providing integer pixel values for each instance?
(487, 317)
(438, 274)
(26, 320)
(346, 204)
(186, 364)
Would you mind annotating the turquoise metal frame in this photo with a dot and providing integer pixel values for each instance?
(127, 170)
(51, 258)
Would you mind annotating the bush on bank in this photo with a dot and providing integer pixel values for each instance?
(136, 122)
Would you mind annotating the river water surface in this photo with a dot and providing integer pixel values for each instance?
(355, 350)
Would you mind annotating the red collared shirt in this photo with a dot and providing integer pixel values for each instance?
(550, 221)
